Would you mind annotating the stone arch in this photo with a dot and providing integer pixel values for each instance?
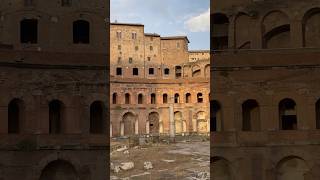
(216, 116)
(202, 122)
(59, 170)
(16, 116)
(221, 169)
(56, 117)
(292, 167)
(275, 30)
(311, 28)
(196, 71)
(288, 114)
(97, 118)
(250, 115)
(317, 107)
(128, 124)
(207, 71)
(153, 123)
(220, 35)
(242, 32)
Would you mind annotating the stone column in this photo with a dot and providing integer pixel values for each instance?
(171, 123)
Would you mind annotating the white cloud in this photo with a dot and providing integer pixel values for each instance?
(199, 23)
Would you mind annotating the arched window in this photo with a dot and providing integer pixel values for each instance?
(165, 98)
(29, 31)
(250, 115)
(97, 123)
(140, 99)
(55, 117)
(188, 98)
(199, 98)
(178, 71)
(114, 98)
(176, 98)
(127, 98)
(276, 30)
(15, 116)
(81, 32)
(318, 114)
(216, 122)
(288, 114)
(153, 98)
(220, 26)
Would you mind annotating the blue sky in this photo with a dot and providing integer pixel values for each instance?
(168, 18)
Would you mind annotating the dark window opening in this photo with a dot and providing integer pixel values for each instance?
(55, 117)
(178, 71)
(250, 115)
(149, 58)
(220, 26)
(153, 98)
(66, 3)
(135, 71)
(136, 48)
(97, 118)
(114, 98)
(81, 32)
(151, 71)
(127, 98)
(287, 115)
(215, 121)
(188, 98)
(119, 47)
(130, 60)
(15, 112)
(177, 98)
(166, 71)
(165, 98)
(140, 99)
(119, 71)
(29, 31)
(199, 98)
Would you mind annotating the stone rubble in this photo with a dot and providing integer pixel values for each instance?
(147, 165)
(127, 166)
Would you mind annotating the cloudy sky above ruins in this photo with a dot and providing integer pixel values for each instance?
(168, 18)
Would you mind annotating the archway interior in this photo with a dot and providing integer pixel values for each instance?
(59, 170)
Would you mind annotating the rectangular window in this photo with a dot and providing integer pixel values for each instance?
(119, 47)
(130, 60)
(119, 71)
(149, 58)
(134, 35)
(66, 3)
(151, 71)
(29, 31)
(166, 71)
(135, 71)
(119, 34)
(136, 48)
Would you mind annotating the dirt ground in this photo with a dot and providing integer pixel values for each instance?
(183, 160)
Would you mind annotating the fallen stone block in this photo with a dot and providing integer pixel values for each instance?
(147, 165)
(127, 165)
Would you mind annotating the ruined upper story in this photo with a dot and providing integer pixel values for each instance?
(131, 45)
(64, 26)
(265, 24)
(136, 55)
